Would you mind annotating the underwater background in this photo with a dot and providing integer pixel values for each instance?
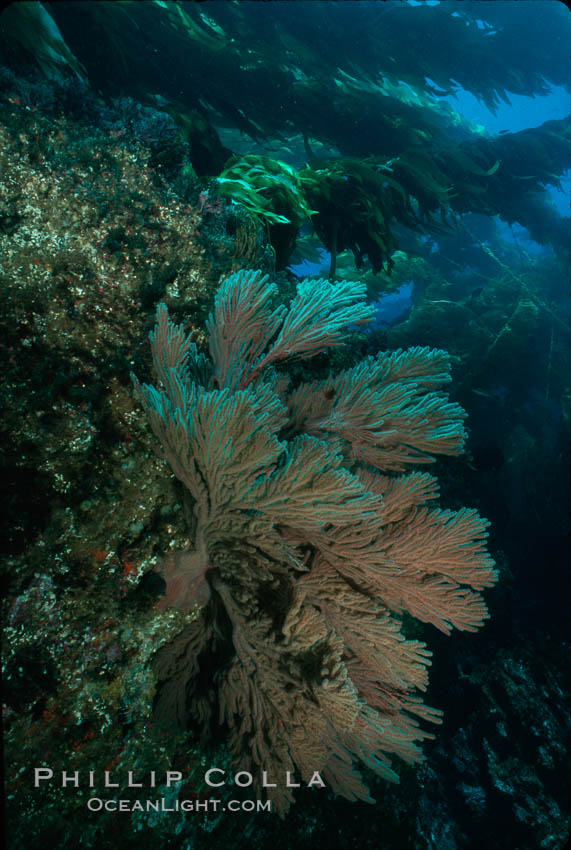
(150, 150)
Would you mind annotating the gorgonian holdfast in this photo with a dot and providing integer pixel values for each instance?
(309, 541)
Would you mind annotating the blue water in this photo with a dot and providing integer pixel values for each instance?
(393, 306)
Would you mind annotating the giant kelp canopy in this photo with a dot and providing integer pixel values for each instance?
(336, 81)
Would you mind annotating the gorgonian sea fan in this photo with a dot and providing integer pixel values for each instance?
(310, 539)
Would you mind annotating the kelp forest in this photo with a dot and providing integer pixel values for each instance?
(296, 572)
